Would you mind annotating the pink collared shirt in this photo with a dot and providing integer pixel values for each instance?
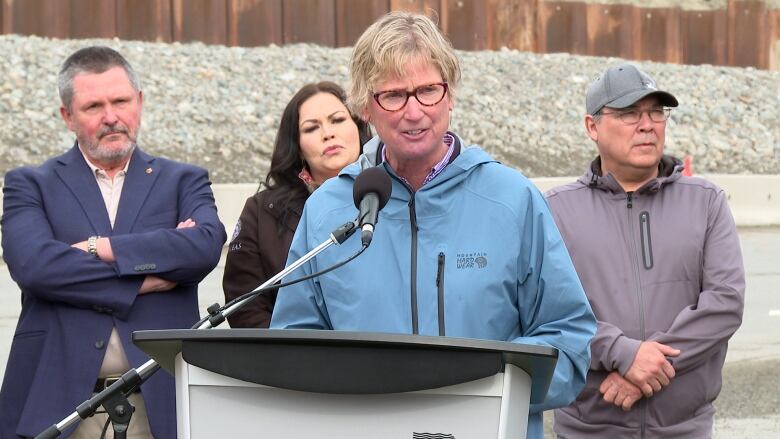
(448, 140)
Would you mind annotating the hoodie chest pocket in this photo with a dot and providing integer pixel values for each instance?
(670, 266)
(669, 250)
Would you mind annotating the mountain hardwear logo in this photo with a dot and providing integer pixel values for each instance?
(471, 260)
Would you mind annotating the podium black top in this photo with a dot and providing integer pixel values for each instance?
(344, 362)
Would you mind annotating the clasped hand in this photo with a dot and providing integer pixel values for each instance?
(649, 373)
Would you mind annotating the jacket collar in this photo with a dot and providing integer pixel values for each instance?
(669, 170)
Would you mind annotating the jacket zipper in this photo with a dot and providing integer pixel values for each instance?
(413, 219)
(647, 245)
(440, 288)
(629, 210)
(630, 205)
(413, 258)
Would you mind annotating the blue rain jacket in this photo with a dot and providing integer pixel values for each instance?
(479, 239)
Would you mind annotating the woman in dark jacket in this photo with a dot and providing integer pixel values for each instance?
(317, 137)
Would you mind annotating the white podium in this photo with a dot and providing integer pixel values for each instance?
(244, 383)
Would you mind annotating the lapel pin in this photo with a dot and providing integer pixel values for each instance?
(148, 170)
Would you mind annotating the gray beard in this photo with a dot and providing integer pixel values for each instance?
(106, 157)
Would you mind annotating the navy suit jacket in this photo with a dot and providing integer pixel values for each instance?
(71, 300)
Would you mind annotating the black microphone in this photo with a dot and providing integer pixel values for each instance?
(371, 192)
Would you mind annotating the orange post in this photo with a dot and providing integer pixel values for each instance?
(688, 165)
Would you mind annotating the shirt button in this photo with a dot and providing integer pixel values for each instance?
(99, 344)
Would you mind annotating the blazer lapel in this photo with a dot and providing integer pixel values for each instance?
(77, 176)
(141, 175)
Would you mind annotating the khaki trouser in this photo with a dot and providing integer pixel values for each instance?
(91, 427)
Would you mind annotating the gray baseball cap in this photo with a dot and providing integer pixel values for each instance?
(622, 86)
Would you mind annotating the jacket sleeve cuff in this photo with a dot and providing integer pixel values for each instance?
(625, 350)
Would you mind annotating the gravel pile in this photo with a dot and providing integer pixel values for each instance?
(218, 107)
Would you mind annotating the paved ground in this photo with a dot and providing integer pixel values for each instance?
(749, 405)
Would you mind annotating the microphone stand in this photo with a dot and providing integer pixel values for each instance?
(338, 236)
(114, 397)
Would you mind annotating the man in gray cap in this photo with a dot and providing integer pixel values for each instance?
(659, 258)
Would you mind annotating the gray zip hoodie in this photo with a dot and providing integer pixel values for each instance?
(662, 263)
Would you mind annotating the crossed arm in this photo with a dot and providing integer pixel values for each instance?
(56, 271)
(151, 283)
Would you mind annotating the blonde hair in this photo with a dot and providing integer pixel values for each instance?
(392, 43)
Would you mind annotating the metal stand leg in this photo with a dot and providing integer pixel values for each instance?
(119, 411)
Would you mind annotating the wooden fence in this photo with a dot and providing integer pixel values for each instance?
(745, 33)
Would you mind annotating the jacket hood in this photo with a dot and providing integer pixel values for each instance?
(669, 170)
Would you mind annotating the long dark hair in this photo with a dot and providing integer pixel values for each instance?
(286, 160)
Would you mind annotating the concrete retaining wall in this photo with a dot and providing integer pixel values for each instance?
(754, 199)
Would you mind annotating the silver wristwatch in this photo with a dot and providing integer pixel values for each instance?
(92, 245)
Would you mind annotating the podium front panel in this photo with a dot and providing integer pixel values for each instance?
(444, 388)
(220, 406)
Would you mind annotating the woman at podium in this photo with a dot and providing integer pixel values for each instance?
(465, 246)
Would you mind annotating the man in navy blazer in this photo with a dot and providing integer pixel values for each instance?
(103, 240)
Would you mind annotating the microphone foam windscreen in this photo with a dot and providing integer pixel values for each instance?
(372, 180)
